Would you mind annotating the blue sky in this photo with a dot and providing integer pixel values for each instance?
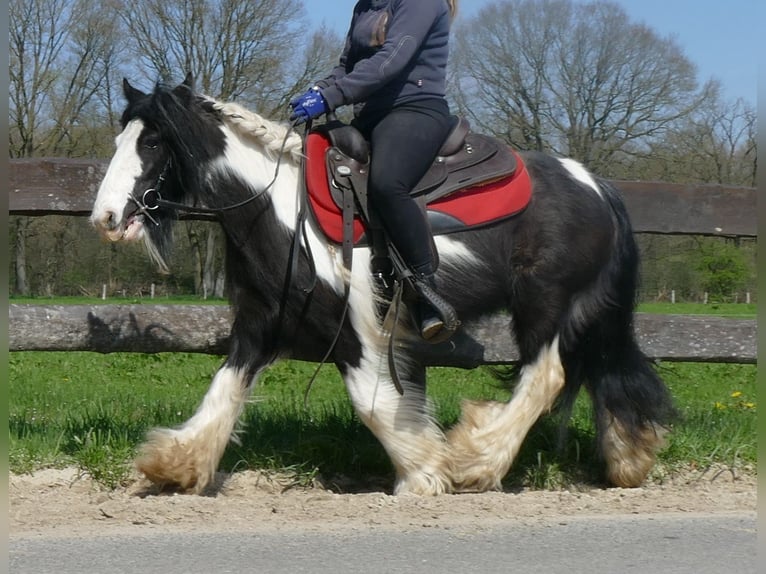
(720, 37)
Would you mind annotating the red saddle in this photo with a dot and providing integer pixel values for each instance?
(474, 181)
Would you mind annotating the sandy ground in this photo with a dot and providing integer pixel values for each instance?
(62, 503)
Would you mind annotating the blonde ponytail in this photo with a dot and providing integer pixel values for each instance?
(452, 8)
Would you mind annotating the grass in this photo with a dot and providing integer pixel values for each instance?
(118, 300)
(719, 309)
(741, 310)
(92, 411)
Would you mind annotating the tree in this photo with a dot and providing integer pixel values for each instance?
(576, 79)
(714, 144)
(723, 269)
(61, 56)
(67, 60)
(247, 50)
(36, 43)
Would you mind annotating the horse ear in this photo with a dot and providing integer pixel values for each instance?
(189, 81)
(185, 89)
(131, 93)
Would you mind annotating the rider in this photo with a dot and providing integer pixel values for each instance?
(393, 69)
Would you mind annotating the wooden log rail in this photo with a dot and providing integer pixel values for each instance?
(68, 187)
(205, 329)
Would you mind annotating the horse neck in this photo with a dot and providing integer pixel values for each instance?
(260, 230)
(260, 233)
(248, 168)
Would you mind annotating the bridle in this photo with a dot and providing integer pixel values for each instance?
(151, 199)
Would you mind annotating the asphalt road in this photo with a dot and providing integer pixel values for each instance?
(654, 544)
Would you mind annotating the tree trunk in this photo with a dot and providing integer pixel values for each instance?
(21, 286)
(208, 270)
(196, 250)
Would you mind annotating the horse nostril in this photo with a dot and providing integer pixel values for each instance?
(109, 221)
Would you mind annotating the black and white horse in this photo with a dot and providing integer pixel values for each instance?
(565, 269)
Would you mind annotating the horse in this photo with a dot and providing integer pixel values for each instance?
(564, 270)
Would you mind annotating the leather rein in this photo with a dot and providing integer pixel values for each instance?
(151, 200)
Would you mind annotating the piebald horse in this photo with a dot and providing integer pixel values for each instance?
(564, 269)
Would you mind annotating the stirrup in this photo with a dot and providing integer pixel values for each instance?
(441, 322)
(430, 325)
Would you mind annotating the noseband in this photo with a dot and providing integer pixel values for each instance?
(151, 198)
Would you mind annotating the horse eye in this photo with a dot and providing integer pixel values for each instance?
(151, 142)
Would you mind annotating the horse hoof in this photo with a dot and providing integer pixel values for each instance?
(167, 462)
(423, 484)
(630, 456)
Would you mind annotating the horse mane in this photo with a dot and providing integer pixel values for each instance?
(271, 135)
(165, 107)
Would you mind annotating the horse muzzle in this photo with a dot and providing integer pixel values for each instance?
(128, 226)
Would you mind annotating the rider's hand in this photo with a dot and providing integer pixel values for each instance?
(308, 106)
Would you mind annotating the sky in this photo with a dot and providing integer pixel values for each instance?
(720, 37)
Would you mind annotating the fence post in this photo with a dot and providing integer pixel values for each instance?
(103, 292)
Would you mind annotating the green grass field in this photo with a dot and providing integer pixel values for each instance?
(745, 311)
(92, 410)
(720, 309)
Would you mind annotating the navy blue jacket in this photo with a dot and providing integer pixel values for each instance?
(395, 52)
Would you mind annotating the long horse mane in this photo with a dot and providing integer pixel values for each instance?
(271, 135)
(190, 121)
(165, 107)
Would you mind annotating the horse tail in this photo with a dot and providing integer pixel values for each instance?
(632, 405)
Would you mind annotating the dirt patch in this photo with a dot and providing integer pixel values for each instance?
(63, 503)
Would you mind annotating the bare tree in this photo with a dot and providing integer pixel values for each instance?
(245, 50)
(727, 150)
(82, 100)
(576, 79)
(36, 43)
(255, 51)
(61, 54)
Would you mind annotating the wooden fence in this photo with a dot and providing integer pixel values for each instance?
(68, 187)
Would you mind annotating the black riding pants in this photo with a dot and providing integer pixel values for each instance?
(403, 145)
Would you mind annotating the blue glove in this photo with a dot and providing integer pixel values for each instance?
(308, 106)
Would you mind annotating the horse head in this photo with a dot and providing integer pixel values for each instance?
(164, 140)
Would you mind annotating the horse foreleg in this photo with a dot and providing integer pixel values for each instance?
(486, 440)
(404, 426)
(187, 457)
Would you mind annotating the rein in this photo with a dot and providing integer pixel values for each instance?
(151, 200)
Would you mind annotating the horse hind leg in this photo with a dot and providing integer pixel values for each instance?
(632, 407)
(486, 440)
(187, 457)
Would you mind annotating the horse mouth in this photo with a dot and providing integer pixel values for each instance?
(133, 228)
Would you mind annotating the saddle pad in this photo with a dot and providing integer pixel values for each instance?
(474, 206)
